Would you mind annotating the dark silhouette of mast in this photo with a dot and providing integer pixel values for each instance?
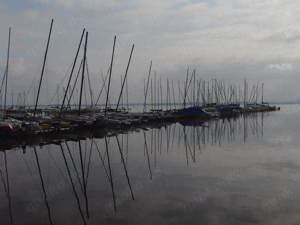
(71, 74)
(147, 85)
(185, 88)
(74, 85)
(6, 70)
(110, 71)
(83, 70)
(125, 77)
(262, 93)
(43, 68)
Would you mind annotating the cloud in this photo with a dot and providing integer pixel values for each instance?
(288, 35)
(231, 40)
(283, 67)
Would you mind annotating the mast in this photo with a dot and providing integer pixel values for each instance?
(262, 93)
(185, 87)
(147, 85)
(83, 69)
(194, 89)
(244, 93)
(6, 70)
(173, 92)
(161, 94)
(167, 97)
(74, 85)
(125, 77)
(43, 68)
(71, 74)
(151, 93)
(89, 83)
(110, 71)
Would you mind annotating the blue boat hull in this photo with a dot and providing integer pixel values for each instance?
(192, 112)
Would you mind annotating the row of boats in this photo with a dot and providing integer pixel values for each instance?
(22, 123)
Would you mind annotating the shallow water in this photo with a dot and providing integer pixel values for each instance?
(242, 171)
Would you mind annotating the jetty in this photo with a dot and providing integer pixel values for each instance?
(195, 99)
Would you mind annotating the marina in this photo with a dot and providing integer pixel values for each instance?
(196, 99)
(146, 117)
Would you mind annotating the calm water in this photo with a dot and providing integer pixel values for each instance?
(243, 171)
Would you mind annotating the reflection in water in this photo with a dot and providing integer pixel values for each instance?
(43, 186)
(6, 186)
(90, 166)
(124, 166)
(110, 174)
(73, 186)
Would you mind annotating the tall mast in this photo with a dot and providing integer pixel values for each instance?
(83, 69)
(244, 92)
(173, 91)
(6, 70)
(147, 85)
(71, 74)
(125, 77)
(262, 93)
(110, 71)
(74, 85)
(185, 87)
(43, 68)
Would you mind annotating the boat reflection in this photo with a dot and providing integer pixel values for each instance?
(90, 165)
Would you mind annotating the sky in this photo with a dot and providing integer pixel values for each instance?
(232, 40)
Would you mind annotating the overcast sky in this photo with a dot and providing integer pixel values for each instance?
(229, 40)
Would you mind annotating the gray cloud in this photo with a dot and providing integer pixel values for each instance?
(230, 40)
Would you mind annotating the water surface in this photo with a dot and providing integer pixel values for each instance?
(239, 171)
